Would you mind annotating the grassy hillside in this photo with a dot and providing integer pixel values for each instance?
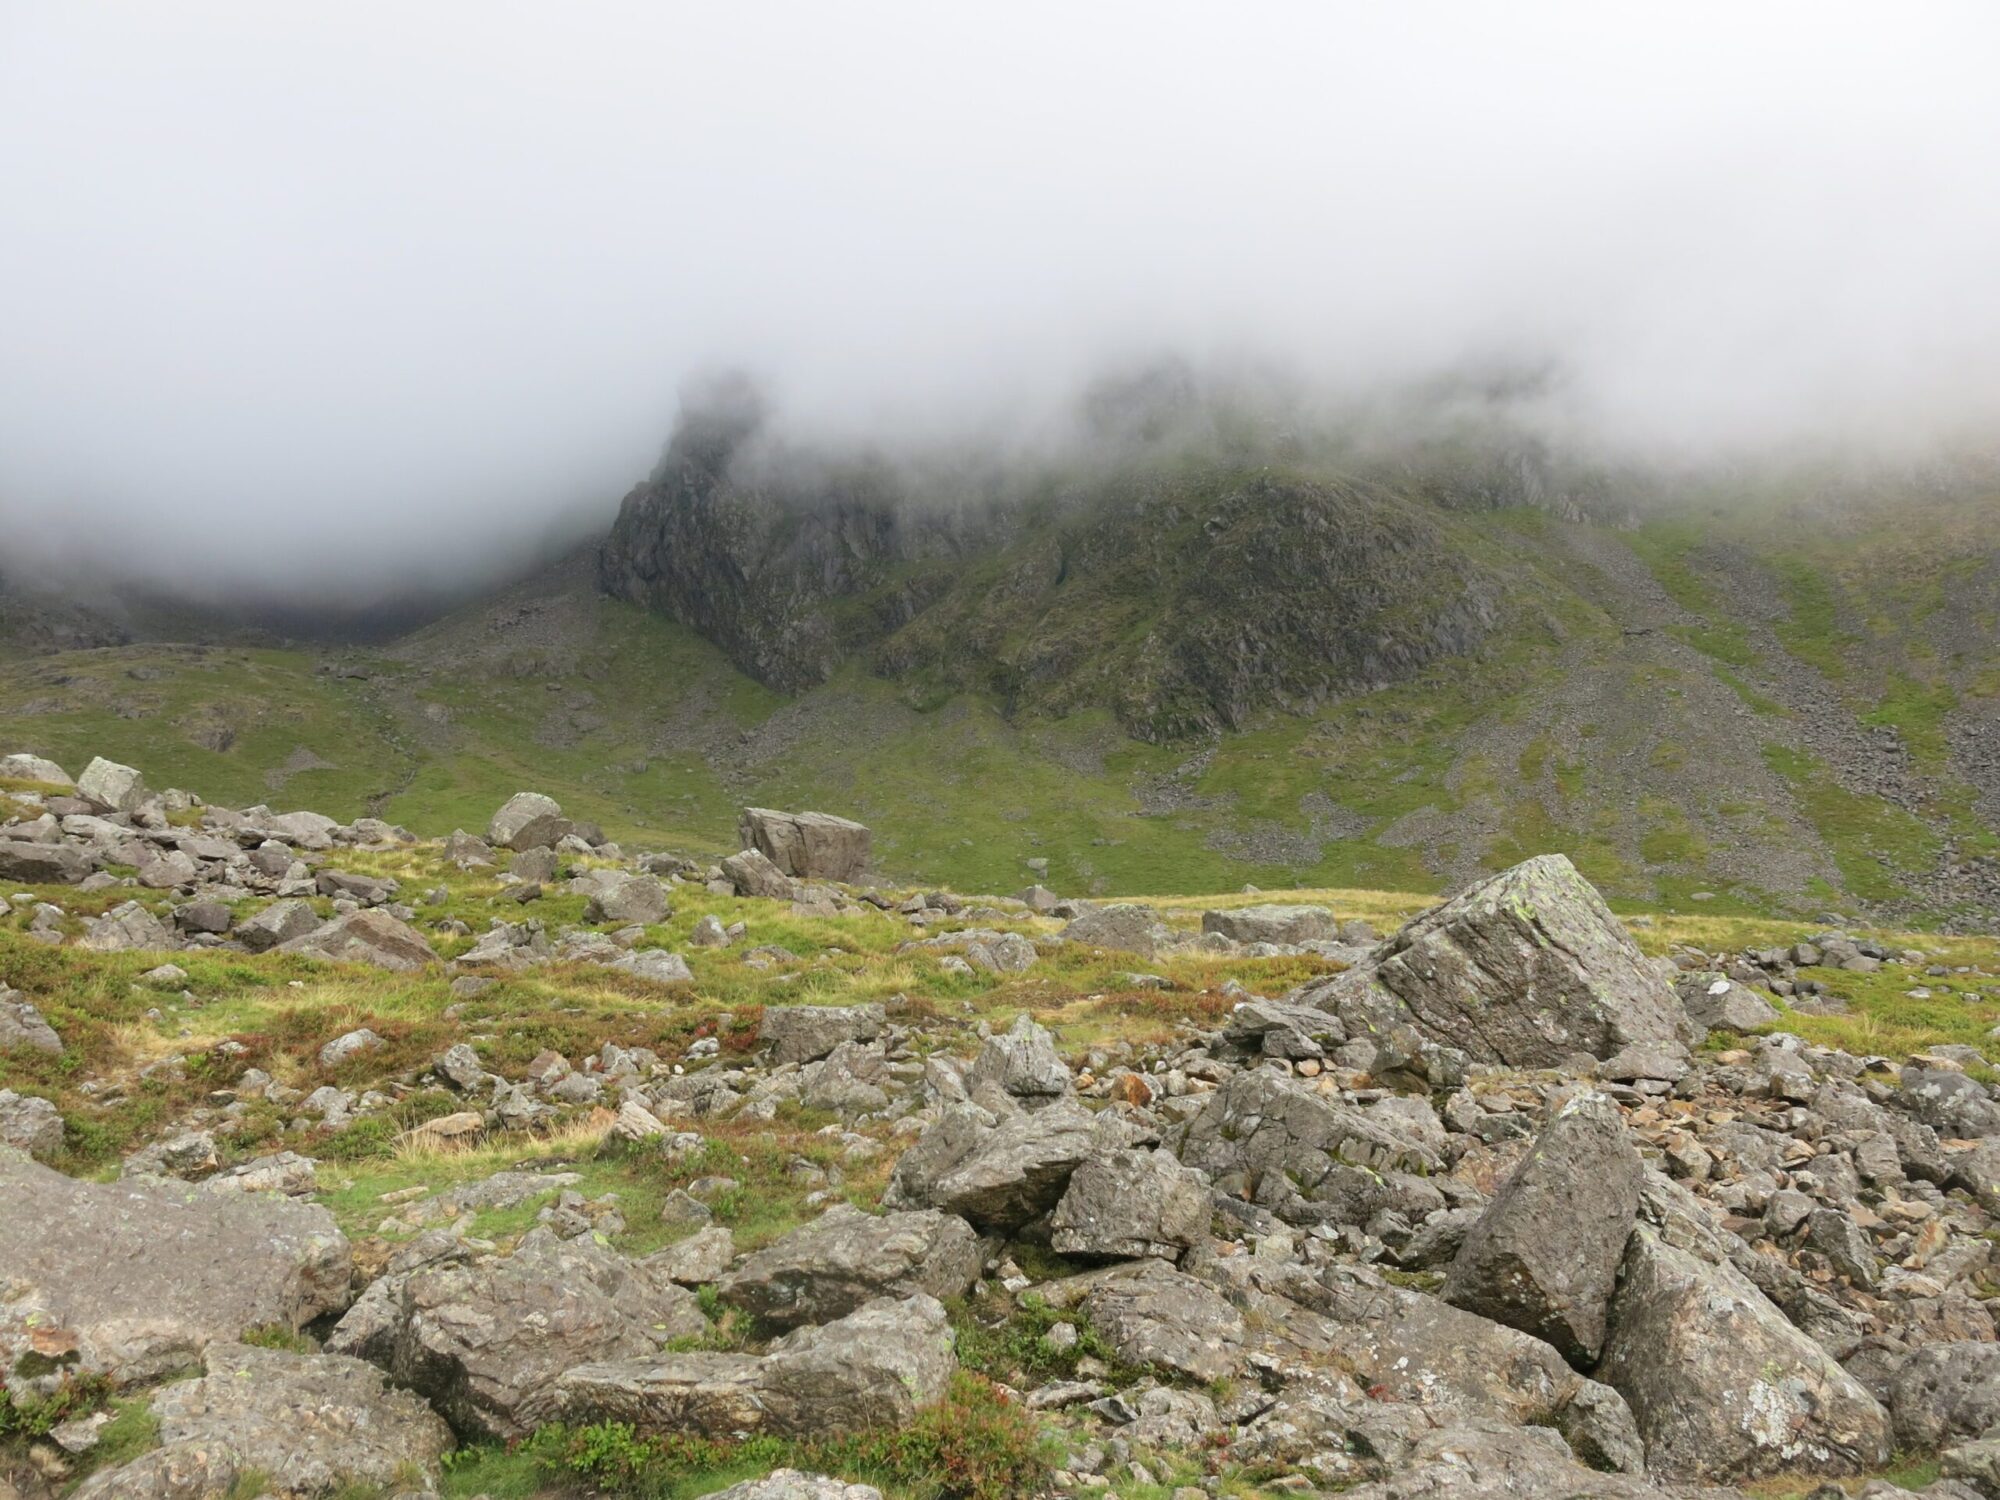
(1733, 708)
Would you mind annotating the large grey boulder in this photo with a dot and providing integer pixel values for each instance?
(1722, 1386)
(1121, 928)
(806, 1033)
(308, 1425)
(279, 923)
(126, 928)
(846, 1258)
(753, 874)
(1525, 968)
(21, 767)
(1943, 1393)
(1544, 1256)
(484, 1342)
(1130, 1204)
(1149, 1314)
(876, 1367)
(367, 937)
(515, 816)
(1715, 1002)
(25, 862)
(113, 787)
(135, 1278)
(1274, 924)
(30, 1124)
(1271, 1028)
(809, 845)
(1488, 1459)
(999, 1173)
(22, 1027)
(1021, 1064)
(624, 899)
(1309, 1157)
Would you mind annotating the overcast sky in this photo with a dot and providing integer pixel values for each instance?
(301, 292)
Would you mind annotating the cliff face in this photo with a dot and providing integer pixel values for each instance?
(1184, 596)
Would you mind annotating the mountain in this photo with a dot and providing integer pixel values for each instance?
(1178, 670)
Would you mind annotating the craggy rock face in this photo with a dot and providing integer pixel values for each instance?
(1527, 969)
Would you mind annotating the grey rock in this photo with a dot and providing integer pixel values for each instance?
(847, 1258)
(792, 1484)
(1273, 924)
(348, 1044)
(30, 863)
(1544, 1256)
(625, 899)
(1527, 968)
(34, 768)
(22, 1027)
(998, 1174)
(656, 964)
(1943, 1393)
(30, 1124)
(126, 928)
(702, 1257)
(367, 937)
(806, 1033)
(277, 924)
(1130, 1204)
(753, 874)
(133, 1278)
(113, 787)
(1151, 1315)
(810, 845)
(1715, 1002)
(1021, 1064)
(1121, 928)
(876, 1367)
(516, 814)
(1722, 1386)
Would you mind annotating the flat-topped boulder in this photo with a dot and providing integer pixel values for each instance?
(807, 845)
(1526, 968)
(1273, 924)
(367, 937)
(135, 1278)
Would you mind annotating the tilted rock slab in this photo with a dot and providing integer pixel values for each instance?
(135, 1278)
(1526, 968)
(367, 937)
(846, 1258)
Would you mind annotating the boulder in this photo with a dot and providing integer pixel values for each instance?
(26, 863)
(1306, 1156)
(34, 768)
(515, 814)
(126, 928)
(1121, 928)
(484, 1342)
(1715, 1002)
(656, 964)
(806, 1033)
(1944, 1393)
(1021, 1064)
(846, 1258)
(998, 1173)
(1485, 1459)
(279, 923)
(753, 874)
(134, 1278)
(702, 1257)
(1149, 1314)
(1544, 1256)
(810, 845)
(367, 937)
(22, 1028)
(306, 1424)
(1130, 1204)
(1722, 1386)
(30, 1124)
(167, 869)
(112, 787)
(1271, 1028)
(627, 899)
(1526, 968)
(792, 1484)
(1274, 924)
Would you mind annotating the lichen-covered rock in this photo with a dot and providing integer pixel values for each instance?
(1527, 968)
(484, 1342)
(808, 845)
(792, 1484)
(135, 1278)
(1945, 1393)
(1715, 1002)
(113, 787)
(846, 1258)
(367, 937)
(623, 899)
(308, 1425)
(516, 813)
(999, 1173)
(1273, 924)
(1122, 928)
(30, 1124)
(1722, 1386)
(1153, 1316)
(1544, 1256)
(22, 767)
(1022, 1064)
(279, 923)
(1130, 1204)
(126, 928)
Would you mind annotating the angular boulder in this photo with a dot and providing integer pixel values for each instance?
(1022, 1064)
(1151, 1315)
(1715, 1002)
(1544, 1256)
(808, 845)
(806, 1033)
(134, 1278)
(998, 1173)
(1525, 968)
(20, 767)
(307, 1424)
(28, 1124)
(846, 1258)
(27, 863)
(1945, 1393)
(1722, 1386)
(279, 923)
(22, 1027)
(113, 787)
(876, 1367)
(514, 816)
(625, 899)
(484, 1342)
(1121, 928)
(1273, 924)
(128, 927)
(753, 874)
(1131, 1204)
(367, 937)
